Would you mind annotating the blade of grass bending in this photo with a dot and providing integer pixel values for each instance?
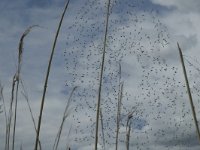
(65, 115)
(17, 78)
(189, 92)
(101, 76)
(47, 76)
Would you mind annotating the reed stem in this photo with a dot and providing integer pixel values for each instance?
(189, 92)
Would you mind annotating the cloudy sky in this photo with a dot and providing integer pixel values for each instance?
(142, 38)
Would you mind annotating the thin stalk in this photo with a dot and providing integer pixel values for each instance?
(128, 130)
(1, 97)
(47, 76)
(189, 92)
(10, 112)
(65, 115)
(15, 114)
(101, 75)
(102, 129)
(67, 145)
(120, 94)
(128, 136)
(17, 79)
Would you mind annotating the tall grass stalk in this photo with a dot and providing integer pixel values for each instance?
(1, 98)
(101, 75)
(189, 92)
(8, 132)
(102, 130)
(14, 94)
(128, 129)
(47, 76)
(65, 115)
(119, 104)
(17, 79)
(67, 145)
(119, 113)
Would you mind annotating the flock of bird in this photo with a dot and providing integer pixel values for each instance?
(153, 89)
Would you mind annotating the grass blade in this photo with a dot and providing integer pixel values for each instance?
(17, 78)
(120, 94)
(65, 115)
(102, 130)
(119, 104)
(101, 77)
(47, 76)
(67, 145)
(128, 129)
(189, 92)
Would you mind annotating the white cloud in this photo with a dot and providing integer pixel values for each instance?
(182, 5)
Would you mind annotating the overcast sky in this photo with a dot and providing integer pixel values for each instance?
(142, 37)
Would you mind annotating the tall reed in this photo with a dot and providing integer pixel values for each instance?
(119, 105)
(17, 78)
(189, 92)
(101, 75)
(47, 76)
(102, 130)
(14, 95)
(1, 98)
(128, 131)
(65, 115)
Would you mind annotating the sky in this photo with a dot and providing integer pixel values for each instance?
(142, 39)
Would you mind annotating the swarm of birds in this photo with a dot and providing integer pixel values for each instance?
(153, 89)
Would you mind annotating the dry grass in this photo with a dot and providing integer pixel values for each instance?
(14, 96)
(102, 129)
(119, 105)
(101, 76)
(128, 130)
(17, 78)
(189, 92)
(65, 115)
(47, 76)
